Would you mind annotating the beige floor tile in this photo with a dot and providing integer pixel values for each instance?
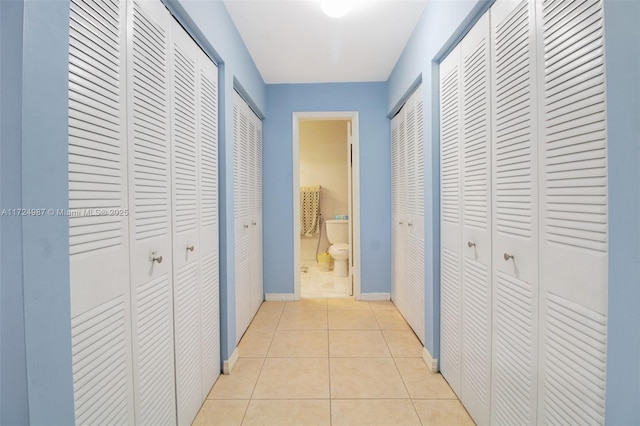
(347, 304)
(299, 343)
(255, 342)
(443, 412)
(390, 320)
(352, 320)
(365, 378)
(357, 343)
(227, 413)
(306, 305)
(422, 383)
(265, 320)
(271, 306)
(288, 412)
(240, 383)
(382, 305)
(382, 412)
(293, 378)
(403, 343)
(303, 320)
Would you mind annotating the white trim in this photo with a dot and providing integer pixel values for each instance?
(228, 364)
(375, 296)
(355, 220)
(279, 297)
(432, 363)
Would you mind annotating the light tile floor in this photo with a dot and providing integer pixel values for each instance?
(315, 283)
(331, 362)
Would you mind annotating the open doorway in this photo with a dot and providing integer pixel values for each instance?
(326, 207)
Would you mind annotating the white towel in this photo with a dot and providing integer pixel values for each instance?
(309, 210)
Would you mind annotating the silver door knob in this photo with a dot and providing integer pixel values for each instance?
(155, 258)
(508, 256)
(246, 226)
(470, 244)
(191, 248)
(254, 223)
(400, 223)
(409, 224)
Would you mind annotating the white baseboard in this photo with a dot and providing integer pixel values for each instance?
(432, 363)
(375, 296)
(228, 364)
(279, 297)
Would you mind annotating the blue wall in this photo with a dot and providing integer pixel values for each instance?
(210, 24)
(441, 24)
(369, 99)
(622, 42)
(14, 409)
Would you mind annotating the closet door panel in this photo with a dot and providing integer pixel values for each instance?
(397, 222)
(450, 220)
(476, 221)
(515, 218)
(573, 213)
(208, 224)
(149, 121)
(257, 291)
(185, 124)
(100, 298)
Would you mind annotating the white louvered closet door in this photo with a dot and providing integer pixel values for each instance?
(450, 221)
(256, 288)
(573, 213)
(208, 221)
(414, 220)
(242, 215)
(187, 292)
(398, 228)
(515, 213)
(149, 112)
(100, 298)
(476, 220)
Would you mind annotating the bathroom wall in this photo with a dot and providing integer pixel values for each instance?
(323, 161)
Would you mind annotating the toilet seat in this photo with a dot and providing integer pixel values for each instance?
(339, 249)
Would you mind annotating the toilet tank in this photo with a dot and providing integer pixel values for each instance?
(338, 231)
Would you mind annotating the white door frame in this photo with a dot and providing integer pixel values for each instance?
(354, 219)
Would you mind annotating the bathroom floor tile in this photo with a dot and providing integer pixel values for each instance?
(221, 412)
(293, 378)
(357, 343)
(271, 306)
(239, 384)
(383, 412)
(390, 320)
(348, 304)
(255, 342)
(357, 378)
(292, 320)
(303, 305)
(382, 305)
(403, 343)
(422, 383)
(352, 320)
(299, 343)
(288, 412)
(265, 320)
(445, 412)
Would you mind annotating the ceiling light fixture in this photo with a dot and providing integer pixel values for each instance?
(335, 8)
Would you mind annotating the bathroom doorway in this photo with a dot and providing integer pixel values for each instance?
(326, 198)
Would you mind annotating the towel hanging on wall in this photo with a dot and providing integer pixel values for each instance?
(309, 210)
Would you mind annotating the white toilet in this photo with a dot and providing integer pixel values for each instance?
(338, 236)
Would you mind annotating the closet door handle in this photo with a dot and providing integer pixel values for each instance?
(254, 223)
(246, 226)
(401, 223)
(409, 224)
(191, 248)
(470, 244)
(153, 257)
(508, 256)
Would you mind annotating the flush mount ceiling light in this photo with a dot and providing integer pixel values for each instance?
(335, 8)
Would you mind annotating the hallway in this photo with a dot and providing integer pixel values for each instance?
(330, 362)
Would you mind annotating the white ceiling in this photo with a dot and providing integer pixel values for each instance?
(295, 42)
